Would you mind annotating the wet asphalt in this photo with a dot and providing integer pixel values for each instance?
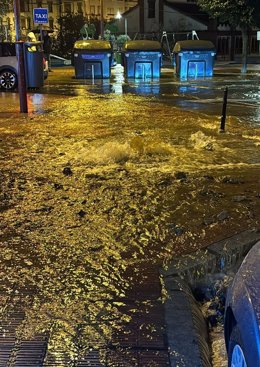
(102, 184)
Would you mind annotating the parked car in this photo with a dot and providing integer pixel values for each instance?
(242, 313)
(9, 66)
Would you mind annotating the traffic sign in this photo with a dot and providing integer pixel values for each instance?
(40, 15)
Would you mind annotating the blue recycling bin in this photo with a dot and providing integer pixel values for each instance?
(142, 59)
(34, 68)
(194, 58)
(92, 59)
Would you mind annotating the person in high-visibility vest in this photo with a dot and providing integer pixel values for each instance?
(31, 38)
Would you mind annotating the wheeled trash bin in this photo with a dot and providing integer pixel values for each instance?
(92, 59)
(194, 58)
(142, 59)
(34, 68)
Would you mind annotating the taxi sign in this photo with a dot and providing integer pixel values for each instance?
(40, 15)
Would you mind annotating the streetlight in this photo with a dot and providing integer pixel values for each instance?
(119, 16)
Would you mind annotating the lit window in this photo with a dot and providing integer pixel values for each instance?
(110, 11)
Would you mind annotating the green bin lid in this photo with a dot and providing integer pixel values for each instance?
(193, 45)
(92, 45)
(142, 45)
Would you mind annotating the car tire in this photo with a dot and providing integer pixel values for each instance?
(8, 79)
(236, 356)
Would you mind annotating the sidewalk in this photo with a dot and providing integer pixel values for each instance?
(236, 66)
(227, 65)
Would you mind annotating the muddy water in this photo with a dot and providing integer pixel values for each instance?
(100, 180)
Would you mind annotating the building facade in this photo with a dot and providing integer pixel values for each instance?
(140, 17)
(178, 18)
(58, 8)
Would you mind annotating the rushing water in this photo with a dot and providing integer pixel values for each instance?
(97, 179)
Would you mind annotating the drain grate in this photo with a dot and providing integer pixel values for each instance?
(140, 343)
(19, 353)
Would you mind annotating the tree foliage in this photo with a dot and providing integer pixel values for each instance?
(69, 33)
(5, 6)
(72, 28)
(88, 30)
(243, 13)
(112, 27)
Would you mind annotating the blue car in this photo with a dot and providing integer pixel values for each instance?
(242, 313)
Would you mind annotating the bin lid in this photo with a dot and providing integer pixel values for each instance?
(193, 45)
(33, 46)
(142, 45)
(94, 45)
(35, 43)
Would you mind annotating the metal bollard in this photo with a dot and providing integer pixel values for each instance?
(93, 72)
(224, 111)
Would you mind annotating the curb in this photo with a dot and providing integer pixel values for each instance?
(186, 328)
(185, 325)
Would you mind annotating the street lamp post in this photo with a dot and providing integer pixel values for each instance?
(119, 16)
(102, 19)
(125, 26)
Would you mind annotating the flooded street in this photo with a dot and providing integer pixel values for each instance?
(102, 184)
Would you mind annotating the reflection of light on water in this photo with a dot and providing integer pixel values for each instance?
(119, 149)
(36, 103)
(5, 99)
(80, 91)
(188, 88)
(143, 87)
(258, 116)
(37, 99)
(119, 79)
(254, 138)
(112, 85)
(95, 86)
(149, 87)
(5, 95)
(254, 97)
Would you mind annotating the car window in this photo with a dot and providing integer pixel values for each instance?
(7, 49)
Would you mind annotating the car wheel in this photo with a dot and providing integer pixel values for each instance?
(236, 357)
(8, 80)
